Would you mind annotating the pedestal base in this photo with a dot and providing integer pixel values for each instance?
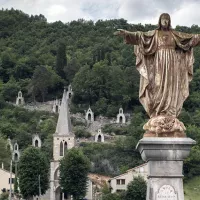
(165, 164)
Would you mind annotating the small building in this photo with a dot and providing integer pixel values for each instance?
(20, 99)
(56, 106)
(99, 137)
(15, 152)
(5, 180)
(89, 116)
(119, 183)
(121, 119)
(69, 92)
(36, 141)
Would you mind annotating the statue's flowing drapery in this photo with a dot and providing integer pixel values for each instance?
(164, 60)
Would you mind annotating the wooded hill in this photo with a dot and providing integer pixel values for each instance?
(40, 58)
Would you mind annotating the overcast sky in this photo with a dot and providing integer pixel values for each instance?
(183, 12)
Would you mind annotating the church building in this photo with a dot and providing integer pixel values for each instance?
(63, 139)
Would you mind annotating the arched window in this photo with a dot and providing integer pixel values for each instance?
(61, 148)
(89, 117)
(36, 143)
(16, 147)
(99, 138)
(120, 119)
(65, 146)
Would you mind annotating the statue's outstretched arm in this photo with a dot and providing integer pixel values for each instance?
(120, 32)
(129, 37)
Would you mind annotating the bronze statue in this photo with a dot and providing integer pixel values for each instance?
(164, 59)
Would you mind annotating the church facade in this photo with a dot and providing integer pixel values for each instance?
(63, 139)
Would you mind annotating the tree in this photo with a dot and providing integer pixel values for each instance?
(43, 78)
(61, 59)
(106, 195)
(10, 89)
(5, 154)
(33, 164)
(74, 168)
(41, 81)
(136, 189)
(111, 197)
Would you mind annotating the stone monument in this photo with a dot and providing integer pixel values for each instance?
(121, 117)
(69, 92)
(164, 59)
(56, 106)
(89, 116)
(99, 137)
(20, 99)
(36, 141)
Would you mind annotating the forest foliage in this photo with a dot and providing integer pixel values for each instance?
(40, 58)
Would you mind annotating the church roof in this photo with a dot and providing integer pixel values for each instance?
(64, 127)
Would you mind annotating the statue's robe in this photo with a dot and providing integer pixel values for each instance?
(165, 64)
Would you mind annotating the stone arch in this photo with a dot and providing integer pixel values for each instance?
(69, 92)
(89, 115)
(36, 141)
(61, 148)
(99, 137)
(19, 99)
(16, 147)
(121, 117)
(58, 193)
(16, 157)
(57, 174)
(56, 106)
(65, 146)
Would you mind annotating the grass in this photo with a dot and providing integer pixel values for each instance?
(192, 189)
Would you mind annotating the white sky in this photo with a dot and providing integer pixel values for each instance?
(183, 12)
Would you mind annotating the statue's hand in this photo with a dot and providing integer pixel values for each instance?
(119, 32)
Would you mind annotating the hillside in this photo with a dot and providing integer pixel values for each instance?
(40, 58)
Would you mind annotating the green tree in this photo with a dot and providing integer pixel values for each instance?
(10, 90)
(111, 197)
(74, 168)
(43, 78)
(16, 185)
(33, 164)
(61, 59)
(5, 154)
(136, 189)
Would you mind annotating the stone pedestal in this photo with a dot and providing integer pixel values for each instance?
(165, 165)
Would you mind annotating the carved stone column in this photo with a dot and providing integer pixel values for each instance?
(165, 165)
